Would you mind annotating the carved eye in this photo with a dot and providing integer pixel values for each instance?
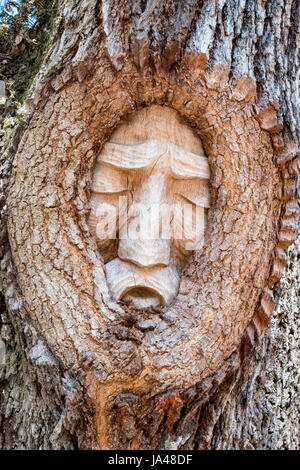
(109, 180)
(194, 191)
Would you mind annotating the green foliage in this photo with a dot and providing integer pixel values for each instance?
(25, 27)
(30, 16)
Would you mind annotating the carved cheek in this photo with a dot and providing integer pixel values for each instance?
(188, 226)
(193, 226)
(103, 222)
(106, 215)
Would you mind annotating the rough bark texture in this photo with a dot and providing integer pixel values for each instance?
(79, 373)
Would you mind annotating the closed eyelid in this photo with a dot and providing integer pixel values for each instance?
(201, 200)
(194, 190)
(188, 165)
(109, 180)
(130, 157)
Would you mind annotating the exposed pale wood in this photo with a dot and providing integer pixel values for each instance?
(152, 162)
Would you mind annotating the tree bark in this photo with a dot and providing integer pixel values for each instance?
(76, 371)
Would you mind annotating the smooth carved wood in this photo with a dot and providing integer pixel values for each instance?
(149, 160)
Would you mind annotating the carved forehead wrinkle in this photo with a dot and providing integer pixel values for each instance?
(160, 123)
(148, 134)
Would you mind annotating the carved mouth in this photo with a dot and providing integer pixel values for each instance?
(145, 287)
(143, 297)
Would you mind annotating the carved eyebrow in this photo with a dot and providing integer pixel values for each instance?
(184, 164)
(130, 157)
(187, 165)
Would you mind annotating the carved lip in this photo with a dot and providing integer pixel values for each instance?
(159, 284)
(143, 297)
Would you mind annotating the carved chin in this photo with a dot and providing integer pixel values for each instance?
(144, 287)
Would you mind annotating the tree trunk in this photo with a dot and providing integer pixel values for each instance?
(78, 371)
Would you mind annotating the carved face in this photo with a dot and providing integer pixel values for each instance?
(148, 206)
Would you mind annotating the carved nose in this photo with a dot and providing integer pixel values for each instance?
(145, 253)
